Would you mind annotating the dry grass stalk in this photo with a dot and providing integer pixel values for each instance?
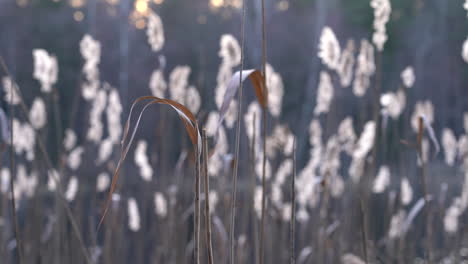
(207, 198)
(293, 208)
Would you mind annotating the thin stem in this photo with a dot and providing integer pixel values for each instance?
(293, 207)
(19, 250)
(196, 222)
(236, 155)
(207, 198)
(262, 227)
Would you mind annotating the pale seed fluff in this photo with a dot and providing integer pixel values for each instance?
(142, 161)
(102, 182)
(213, 200)
(231, 114)
(211, 123)
(406, 194)
(24, 139)
(253, 110)
(38, 114)
(362, 148)
(382, 10)
(351, 259)
(324, 94)
(382, 180)
(346, 64)
(155, 32)
(25, 185)
(53, 179)
(230, 50)
(178, 80)
(329, 48)
(346, 135)
(397, 225)
(465, 5)
(74, 158)
(105, 150)
(407, 77)
(258, 201)
(422, 108)
(451, 217)
(450, 144)
(96, 127)
(365, 68)
(133, 215)
(465, 50)
(160, 204)
(113, 112)
(193, 99)
(259, 167)
(72, 189)
(157, 83)
(9, 89)
(274, 84)
(45, 69)
(91, 52)
(5, 177)
(393, 104)
(69, 141)
(286, 212)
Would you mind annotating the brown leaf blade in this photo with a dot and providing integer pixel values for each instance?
(256, 78)
(188, 119)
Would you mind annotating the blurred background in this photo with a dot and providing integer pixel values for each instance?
(425, 35)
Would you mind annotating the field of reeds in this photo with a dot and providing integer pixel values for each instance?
(229, 156)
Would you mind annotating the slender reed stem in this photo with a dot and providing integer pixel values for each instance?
(425, 190)
(262, 227)
(19, 250)
(236, 155)
(196, 222)
(207, 198)
(293, 207)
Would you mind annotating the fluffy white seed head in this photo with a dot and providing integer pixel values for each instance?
(346, 64)
(45, 69)
(465, 50)
(274, 84)
(102, 182)
(329, 48)
(155, 32)
(70, 139)
(133, 215)
(11, 94)
(113, 113)
(407, 77)
(406, 194)
(91, 52)
(142, 161)
(393, 104)
(157, 83)
(397, 224)
(230, 50)
(324, 94)
(72, 189)
(382, 180)
(422, 108)
(382, 10)
(74, 158)
(365, 68)
(450, 145)
(178, 80)
(160, 204)
(38, 114)
(351, 259)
